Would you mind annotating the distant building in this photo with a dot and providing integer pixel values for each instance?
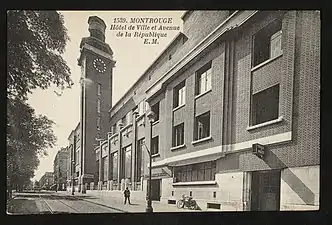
(46, 181)
(60, 166)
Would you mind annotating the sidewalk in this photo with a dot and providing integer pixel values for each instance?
(135, 207)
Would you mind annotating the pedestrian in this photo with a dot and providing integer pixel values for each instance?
(127, 196)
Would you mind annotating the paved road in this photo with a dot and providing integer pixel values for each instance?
(48, 202)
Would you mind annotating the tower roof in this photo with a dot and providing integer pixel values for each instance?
(97, 27)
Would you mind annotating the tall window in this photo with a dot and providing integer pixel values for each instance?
(98, 123)
(155, 145)
(99, 89)
(77, 157)
(155, 109)
(98, 105)
(179, 95)
(124, 121)
(114, 166)
(141, 107)
(147, 107)
(105, 168)
(129, 117)
(127, 162)
(113, 129)
(140, 147)
(267, 42)
(265, 105)
(203, 79)
(97, 170)
(196, 172)
(202, 126)
(178, 135)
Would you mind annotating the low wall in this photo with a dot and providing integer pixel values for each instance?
(227, 192)
(300, 188)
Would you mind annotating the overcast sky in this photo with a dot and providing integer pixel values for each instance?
(132, 59)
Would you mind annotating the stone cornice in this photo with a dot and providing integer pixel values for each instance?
(95, 50)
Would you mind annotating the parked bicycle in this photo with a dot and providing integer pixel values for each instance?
(187, 201)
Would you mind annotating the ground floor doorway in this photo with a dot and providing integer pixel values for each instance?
(155, 189)
(265, 190)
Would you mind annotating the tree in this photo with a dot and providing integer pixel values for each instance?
(35, 42)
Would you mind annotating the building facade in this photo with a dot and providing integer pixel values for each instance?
(236, 98)
(60, 166)
(46, 181)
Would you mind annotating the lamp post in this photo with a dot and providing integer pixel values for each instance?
(151, 117)
(72, 177)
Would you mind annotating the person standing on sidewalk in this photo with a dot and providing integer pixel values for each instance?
(127, 196)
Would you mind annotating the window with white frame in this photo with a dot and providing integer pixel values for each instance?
(202, 126)
(178, 135)
(196, 172)
(179, 95)
(267, 42)
(203, 79)
(155, 145)
(155, 109)
(265, 105)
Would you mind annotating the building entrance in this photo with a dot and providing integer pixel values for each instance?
(155, 189)
(265, 186)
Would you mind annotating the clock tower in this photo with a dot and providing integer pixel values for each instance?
(96, 62)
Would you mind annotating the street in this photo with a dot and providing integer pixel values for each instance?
(48, 202)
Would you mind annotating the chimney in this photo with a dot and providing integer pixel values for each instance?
(97, 28)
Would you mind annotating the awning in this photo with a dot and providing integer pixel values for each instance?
(201, 156)
(201, 159)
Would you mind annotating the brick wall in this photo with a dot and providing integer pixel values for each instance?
(91, 108)
(303, 117)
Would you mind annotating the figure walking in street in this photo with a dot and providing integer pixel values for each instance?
(127, 196)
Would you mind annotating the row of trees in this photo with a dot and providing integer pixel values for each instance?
(36, 41)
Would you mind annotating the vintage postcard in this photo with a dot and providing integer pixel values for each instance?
(163, 111)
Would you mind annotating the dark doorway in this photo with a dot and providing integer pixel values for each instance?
(155, 189)
(265, 190)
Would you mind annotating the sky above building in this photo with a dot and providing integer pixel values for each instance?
(132, 58)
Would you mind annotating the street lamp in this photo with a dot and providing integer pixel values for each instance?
(72, 177)
(151, 117)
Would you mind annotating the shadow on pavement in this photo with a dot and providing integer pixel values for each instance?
(22, 206)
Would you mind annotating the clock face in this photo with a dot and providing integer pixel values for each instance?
(99, 65)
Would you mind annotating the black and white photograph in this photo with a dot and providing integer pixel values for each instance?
(185, 111)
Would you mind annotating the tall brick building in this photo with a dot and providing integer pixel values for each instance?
(96, 62)
(60, 166)
(237, 102)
